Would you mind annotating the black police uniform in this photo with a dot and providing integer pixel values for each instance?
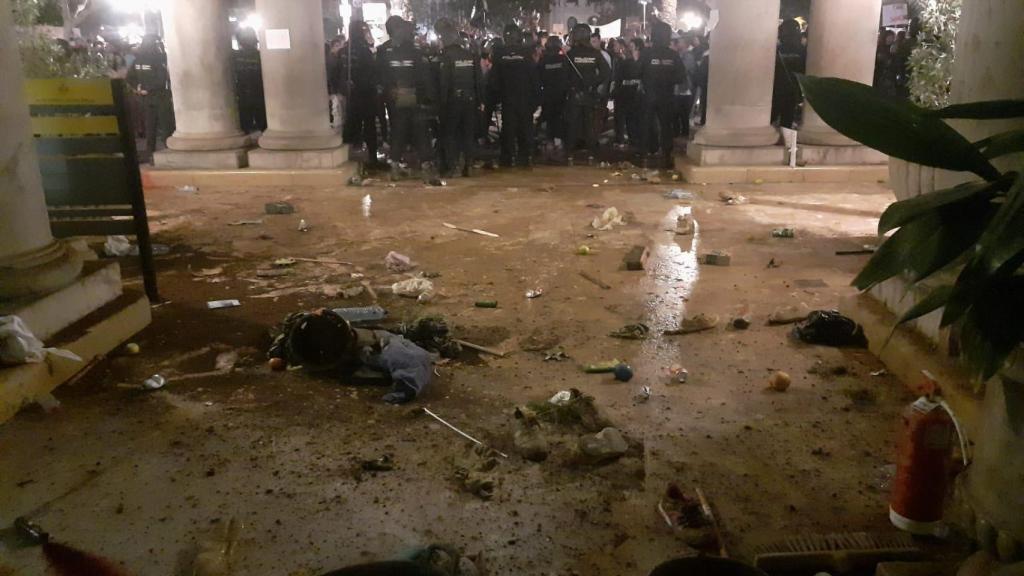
(515, 80)
(460, 97)
(149, 74)
(554, 81)
(248, 69)
(360, 126)
(407, 90)
(588, 72)
(661, 69)
(625, 93)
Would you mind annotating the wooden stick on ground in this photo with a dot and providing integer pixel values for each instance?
(596, 281)
(710, 515)
(322, 261)
(480, 348)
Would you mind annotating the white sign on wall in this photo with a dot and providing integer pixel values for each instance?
(895, 15)
(611, 29)
(277, 39)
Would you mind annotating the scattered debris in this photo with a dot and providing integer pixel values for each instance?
(779, 381)
(215, 553)
(396, 262)
(284, 262)
(684, 225)
(681, 510)
(608, 220)
(605, 446)
(679, 194)
(741, 318)
(351, 291)
(460, 432)
(413, 288)
(822, 369)
(225, 361)
(280, 208)
(605, 367)
(643, 395)
(530, 443)
(316, 261)
(623, 372)
(555, 355)
(715, 258)
(362, 314)
(783, 233)
(304, 226)
(636, 258)
(789, 314)
(117, 246)
(473, 472)
(583, 250)
(479, 348)
(571, 408)
(535, 293)
(432, 333)
(131, 349)
(207, 272)
(471, 230)
(830, 328)
(773, 264)
(732, 198)
(631, 332)
(678, 374)
(188, 189)
(563, 397)
(595, 281)
(866, 249)
(271, 272)
(154, 382)
(486, 304)
(383, 463)
(18, 345)
(881, 372)
(861, 397)
(246, 222)
(215, 304)
(694, 323)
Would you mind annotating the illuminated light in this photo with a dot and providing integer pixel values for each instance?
(691, 20)
(252, 21)
(132, 33)
(135, 6)
(345, 10)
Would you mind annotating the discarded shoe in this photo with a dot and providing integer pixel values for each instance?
(695, 323)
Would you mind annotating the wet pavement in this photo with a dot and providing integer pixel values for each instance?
(139, 476)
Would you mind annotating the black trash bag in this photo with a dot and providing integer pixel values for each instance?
(318, 341)
(830, 328)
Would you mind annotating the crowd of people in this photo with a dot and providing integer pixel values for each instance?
(549, 97)
(429, 105)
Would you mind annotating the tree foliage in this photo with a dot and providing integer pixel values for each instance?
(931, 61)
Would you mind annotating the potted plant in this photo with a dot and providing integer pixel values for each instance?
(976, 230)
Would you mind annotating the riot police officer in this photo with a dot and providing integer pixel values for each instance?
(460, 95)
(248, 69)
(588, 72)
(514, 80)
(661, 69)
(149, 79)
(625, 93)
(359, 80)
(554, 82)
(407, 88)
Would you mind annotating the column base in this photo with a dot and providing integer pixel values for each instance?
(40, 272)
(823, 136)
(208, 142)
(705, 155)
(740, 137)
(209, 159)
(815, 155)
(299, 141)
(298, 159)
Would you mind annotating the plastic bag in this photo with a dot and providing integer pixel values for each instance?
(17, 343)
(413, 288)
(396, 262)
(117, 246)
(608, 220)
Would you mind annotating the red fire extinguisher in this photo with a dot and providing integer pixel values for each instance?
(924, 457)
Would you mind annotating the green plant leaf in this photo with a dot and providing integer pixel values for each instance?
(935, 299)
(928, 243)
(899, 213)
(991, 331)
(1002, 144)
(988, 110)
(892, 126)
(1004, 236)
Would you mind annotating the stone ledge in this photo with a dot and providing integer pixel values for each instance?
(761, 174)
(704, 155)
(298, 159)
(91, 337)
(209, 159)
(248, 178)
(815, 155)
(99, 283)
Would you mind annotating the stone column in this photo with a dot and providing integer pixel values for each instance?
(31, 261)
(299, 134)
(739, 99)
(198, 40)
(841, 43)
